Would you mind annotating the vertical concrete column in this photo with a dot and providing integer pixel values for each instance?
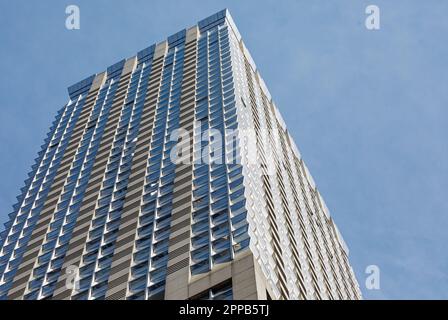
(248, 281)
(178, 268)
(121, 264)
(80, 232)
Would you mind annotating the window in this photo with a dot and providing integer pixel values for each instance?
(222, 291)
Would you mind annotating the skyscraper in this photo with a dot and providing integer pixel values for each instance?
(171, 175)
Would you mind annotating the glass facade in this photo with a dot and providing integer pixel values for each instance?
(108, 214)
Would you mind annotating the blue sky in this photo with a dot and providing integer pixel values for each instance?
(368, 109)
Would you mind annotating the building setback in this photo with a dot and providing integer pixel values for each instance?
(171, 175)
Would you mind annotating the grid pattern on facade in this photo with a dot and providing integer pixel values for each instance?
(107, 214)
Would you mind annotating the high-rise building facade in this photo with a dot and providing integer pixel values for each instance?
(171, 175)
